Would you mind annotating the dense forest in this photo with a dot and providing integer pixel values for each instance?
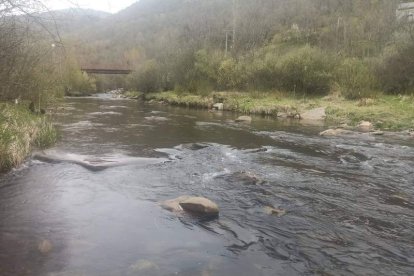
(307, 47)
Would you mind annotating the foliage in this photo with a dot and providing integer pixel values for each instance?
(147, 78)
(388, 112)
(75, 82)
(20, 130)
(27, 68)
(300, 46)
(397, 71)
(306, 70)
(356, 79)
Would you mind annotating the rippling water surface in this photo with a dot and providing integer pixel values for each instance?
(89, 206)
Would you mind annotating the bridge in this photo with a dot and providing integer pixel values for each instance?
(113, 70)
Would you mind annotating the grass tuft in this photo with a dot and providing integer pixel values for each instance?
(20, 130)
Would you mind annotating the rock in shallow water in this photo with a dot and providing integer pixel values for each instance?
(198, 205)
(45, 246)
(242, 177)
(244, 119)
(173, 205)
(335, 132)
(274, 211)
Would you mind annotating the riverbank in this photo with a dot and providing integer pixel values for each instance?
(20, 131)
(386, 112)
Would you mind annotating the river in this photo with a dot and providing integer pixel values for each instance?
(92, 206)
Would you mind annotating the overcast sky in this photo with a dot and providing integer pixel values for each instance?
(112, 6)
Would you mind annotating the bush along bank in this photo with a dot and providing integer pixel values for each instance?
(386, 112)
(20, 131)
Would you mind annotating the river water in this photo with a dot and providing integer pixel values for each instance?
(90, 206)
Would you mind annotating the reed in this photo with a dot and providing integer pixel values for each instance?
(20, 131)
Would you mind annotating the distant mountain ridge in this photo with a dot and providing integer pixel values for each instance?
(73, 19)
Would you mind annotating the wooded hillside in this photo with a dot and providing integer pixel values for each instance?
(294, 45)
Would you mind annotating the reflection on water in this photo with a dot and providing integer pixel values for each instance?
(90, 205)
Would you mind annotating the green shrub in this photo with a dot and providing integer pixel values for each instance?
(229, 75)
(47, 134)
(356, 79)
(306, 70)
(396, 73)
(260, 69)
(147, 78)
(76, 82)
(20, 130)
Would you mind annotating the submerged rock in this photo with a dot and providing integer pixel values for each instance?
(157, 119)
(199, 205)
(244, 119)
(282, 115)
(274, 211)
(45, 246)
(378, 133)
(335, 132)
(195, 146)
(144, 267)
(243, 177)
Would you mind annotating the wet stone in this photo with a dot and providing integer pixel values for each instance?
(274, 211)
(45, 246)
(378, 133)
(335, 132)
(243, 177)
(198, 205)
(195, 146)
(365, 126)
(173, 205)
(244, 119)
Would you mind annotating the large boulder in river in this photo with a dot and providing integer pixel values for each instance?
(173, 205)
(198, 205)
(244, 119)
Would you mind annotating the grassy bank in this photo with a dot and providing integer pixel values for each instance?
(385, 112)
(20, 131)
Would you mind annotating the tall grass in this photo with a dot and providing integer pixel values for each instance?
(20, 130)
